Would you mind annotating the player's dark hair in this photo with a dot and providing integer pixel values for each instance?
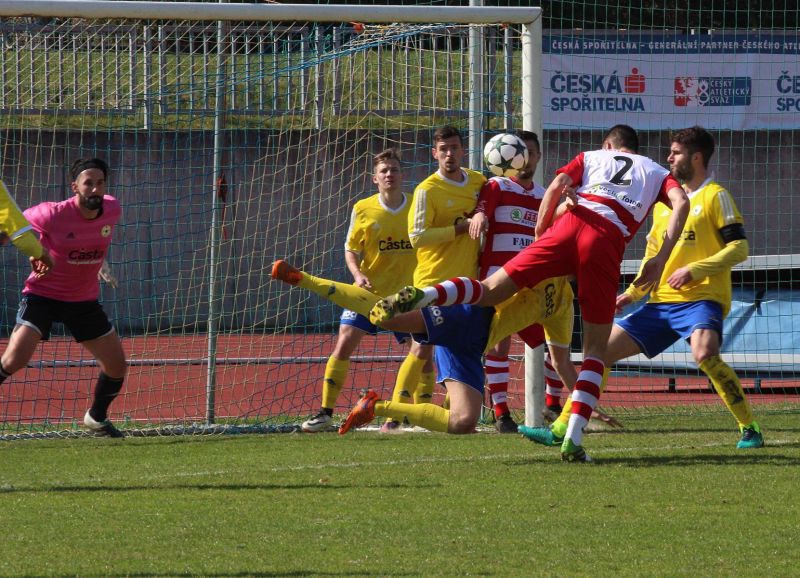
(527, 135)
(445, 132)
(83, 164)
(385, 155)
(697, 140)
(621, 136)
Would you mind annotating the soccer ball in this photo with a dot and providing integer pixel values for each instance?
(505, 155)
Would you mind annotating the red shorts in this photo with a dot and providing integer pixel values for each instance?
(583, 244)
(532, 335)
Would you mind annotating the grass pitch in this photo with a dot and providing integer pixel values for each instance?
(665, 497)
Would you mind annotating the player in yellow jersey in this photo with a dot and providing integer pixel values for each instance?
(694, 293)
(381, 259)
(438, 225)
(461, 334)
(16, 228)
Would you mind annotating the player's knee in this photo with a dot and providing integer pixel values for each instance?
(12, 362)
(462, 424)
(703, 355)
(116, 369)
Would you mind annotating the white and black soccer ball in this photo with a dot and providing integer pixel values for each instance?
(505, 155)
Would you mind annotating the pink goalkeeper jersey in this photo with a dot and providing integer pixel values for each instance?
(78, 246)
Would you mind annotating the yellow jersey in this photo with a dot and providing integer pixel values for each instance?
(379, 235)
(711, 208)
(439, 204)
(548, 303)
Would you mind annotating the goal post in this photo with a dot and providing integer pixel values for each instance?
(236, 134)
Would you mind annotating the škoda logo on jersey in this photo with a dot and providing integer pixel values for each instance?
(392, 245)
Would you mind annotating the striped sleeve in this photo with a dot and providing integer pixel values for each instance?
(353, 242)
(728, 212)
(416, 217)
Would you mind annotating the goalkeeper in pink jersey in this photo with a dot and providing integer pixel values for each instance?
(77, 235)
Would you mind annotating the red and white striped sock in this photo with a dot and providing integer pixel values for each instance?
(552, 384)
(585, 397)
(455, 291)
(496, 368)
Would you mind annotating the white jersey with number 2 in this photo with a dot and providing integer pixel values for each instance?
(620, 186)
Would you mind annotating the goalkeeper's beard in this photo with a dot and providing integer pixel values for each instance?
(93, 203)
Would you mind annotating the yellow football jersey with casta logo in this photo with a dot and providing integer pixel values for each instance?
(711, 208)
(548, 303)
(439, 203)
(380, 236)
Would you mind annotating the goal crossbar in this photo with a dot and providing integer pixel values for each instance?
(268, 12)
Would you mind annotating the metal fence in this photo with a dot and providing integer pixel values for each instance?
(49, 67)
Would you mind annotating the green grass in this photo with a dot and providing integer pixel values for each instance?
(666, 497)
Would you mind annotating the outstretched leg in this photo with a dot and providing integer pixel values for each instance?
(461, 290)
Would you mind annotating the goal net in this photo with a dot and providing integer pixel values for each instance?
(236, 135)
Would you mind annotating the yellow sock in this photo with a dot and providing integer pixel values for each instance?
(424, 392)
(336, 371)
(446, 401)
(559, 427)
(729, 388)
(408, 377)
(427, 415)
(347, 296)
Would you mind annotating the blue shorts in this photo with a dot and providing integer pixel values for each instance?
(360, 322)
(656, 326)
(459, 333)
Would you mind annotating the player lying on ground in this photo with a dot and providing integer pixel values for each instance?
(461, 334)
(614, 189)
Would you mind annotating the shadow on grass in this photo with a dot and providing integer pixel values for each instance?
(732, 429)
(604, 457)
(254, 574)
(66, 489)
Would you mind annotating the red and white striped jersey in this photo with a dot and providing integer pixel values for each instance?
(512, 211)
(620, 186)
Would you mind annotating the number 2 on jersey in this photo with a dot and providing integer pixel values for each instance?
(619, 178)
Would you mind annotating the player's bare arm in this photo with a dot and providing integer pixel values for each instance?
(623, 300)
(353, 260)
(550, 202)
(41, 265)
(652, 270)
(463, 226)
(478, 223)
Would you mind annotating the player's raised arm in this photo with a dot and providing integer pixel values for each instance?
(550, 201)
(652, 270)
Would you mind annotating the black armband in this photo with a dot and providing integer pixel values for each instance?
(733, 232)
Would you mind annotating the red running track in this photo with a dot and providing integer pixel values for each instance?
(266, 375)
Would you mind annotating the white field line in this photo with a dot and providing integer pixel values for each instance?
(594, 452)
